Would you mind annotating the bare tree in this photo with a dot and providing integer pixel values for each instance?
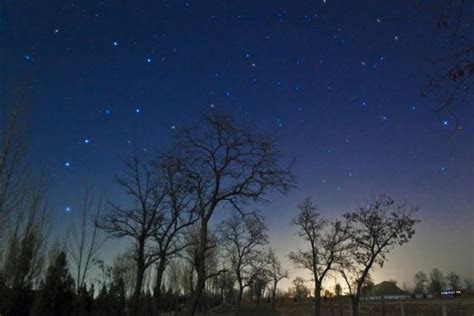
(227, 165)
(85, 239)
(325, 239)
(374, 231)
(454, 281)
(421, 280)
(277, 273)
(453, 75)
(469, 284)
(437, 281)
(240, 237)
(140, 222)
(177, 214)
(12, 154)
(300, 290)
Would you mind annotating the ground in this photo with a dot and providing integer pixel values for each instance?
(454, 307)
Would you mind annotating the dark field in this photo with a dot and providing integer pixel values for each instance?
(453, 307)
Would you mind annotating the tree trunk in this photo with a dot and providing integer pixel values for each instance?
(201, 271)
(317, 299)
(159, 279)
(273, 298)
(139, 279)
(355, 305)
(239, 298)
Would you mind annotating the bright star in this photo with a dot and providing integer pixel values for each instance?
(67, 164)
(148, 60)
(115, 44)
(86, 141)
(137, 110)
(445, 122)
(68, 209)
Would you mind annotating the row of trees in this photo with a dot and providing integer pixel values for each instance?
(353, 245)
(173, 197)
(437, 282)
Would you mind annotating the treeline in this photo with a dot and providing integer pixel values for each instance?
(175, 259)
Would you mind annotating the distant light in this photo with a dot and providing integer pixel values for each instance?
(413, 108)
(27, 57)
(364, 103)
(68, 209)
(173, 127)
(227, 94)
(445, 122)
(385, 118)
(56, 31)
(138, 110)
(212, 105)
(67, 164)
(115, 44)
(108, 112)
(247, 55)
(396, 37)
(87, 141)
(148, 60)
(442, 169)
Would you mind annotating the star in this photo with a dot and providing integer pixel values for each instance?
(138, 110)
(445, 123)
(27, 57)
(68, 209)
(115, 44)
(385, 118)
(87, 141)
(67, 164)
(413, 108)
(56, 31)
(148, 60)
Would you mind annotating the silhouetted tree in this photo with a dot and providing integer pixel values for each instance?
(300, 291)
(452, 80)
(277, 273)
(12, 154)
(226, 164)
(468, 284)
(176, 214)
(325, 241)
(454, 281)
(437, 281)
(85, 239)
(240, 237)
(140, 222)
(374, 230)
(56, 295)
(421, 280)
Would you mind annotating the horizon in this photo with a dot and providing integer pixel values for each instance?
(345, 89)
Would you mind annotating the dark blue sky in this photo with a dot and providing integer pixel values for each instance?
(339, 82)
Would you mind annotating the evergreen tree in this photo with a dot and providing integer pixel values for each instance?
(57, 292)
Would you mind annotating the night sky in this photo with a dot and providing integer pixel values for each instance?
(339, 83)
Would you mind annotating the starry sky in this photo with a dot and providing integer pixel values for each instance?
(338, 82)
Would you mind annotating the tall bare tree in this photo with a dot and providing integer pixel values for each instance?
(12, 155)
(326, 240)
(240, 237)
(140, 222)
(177, 214)
(227, 165)
(85, 239)
(277, 273)
(374, 231)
